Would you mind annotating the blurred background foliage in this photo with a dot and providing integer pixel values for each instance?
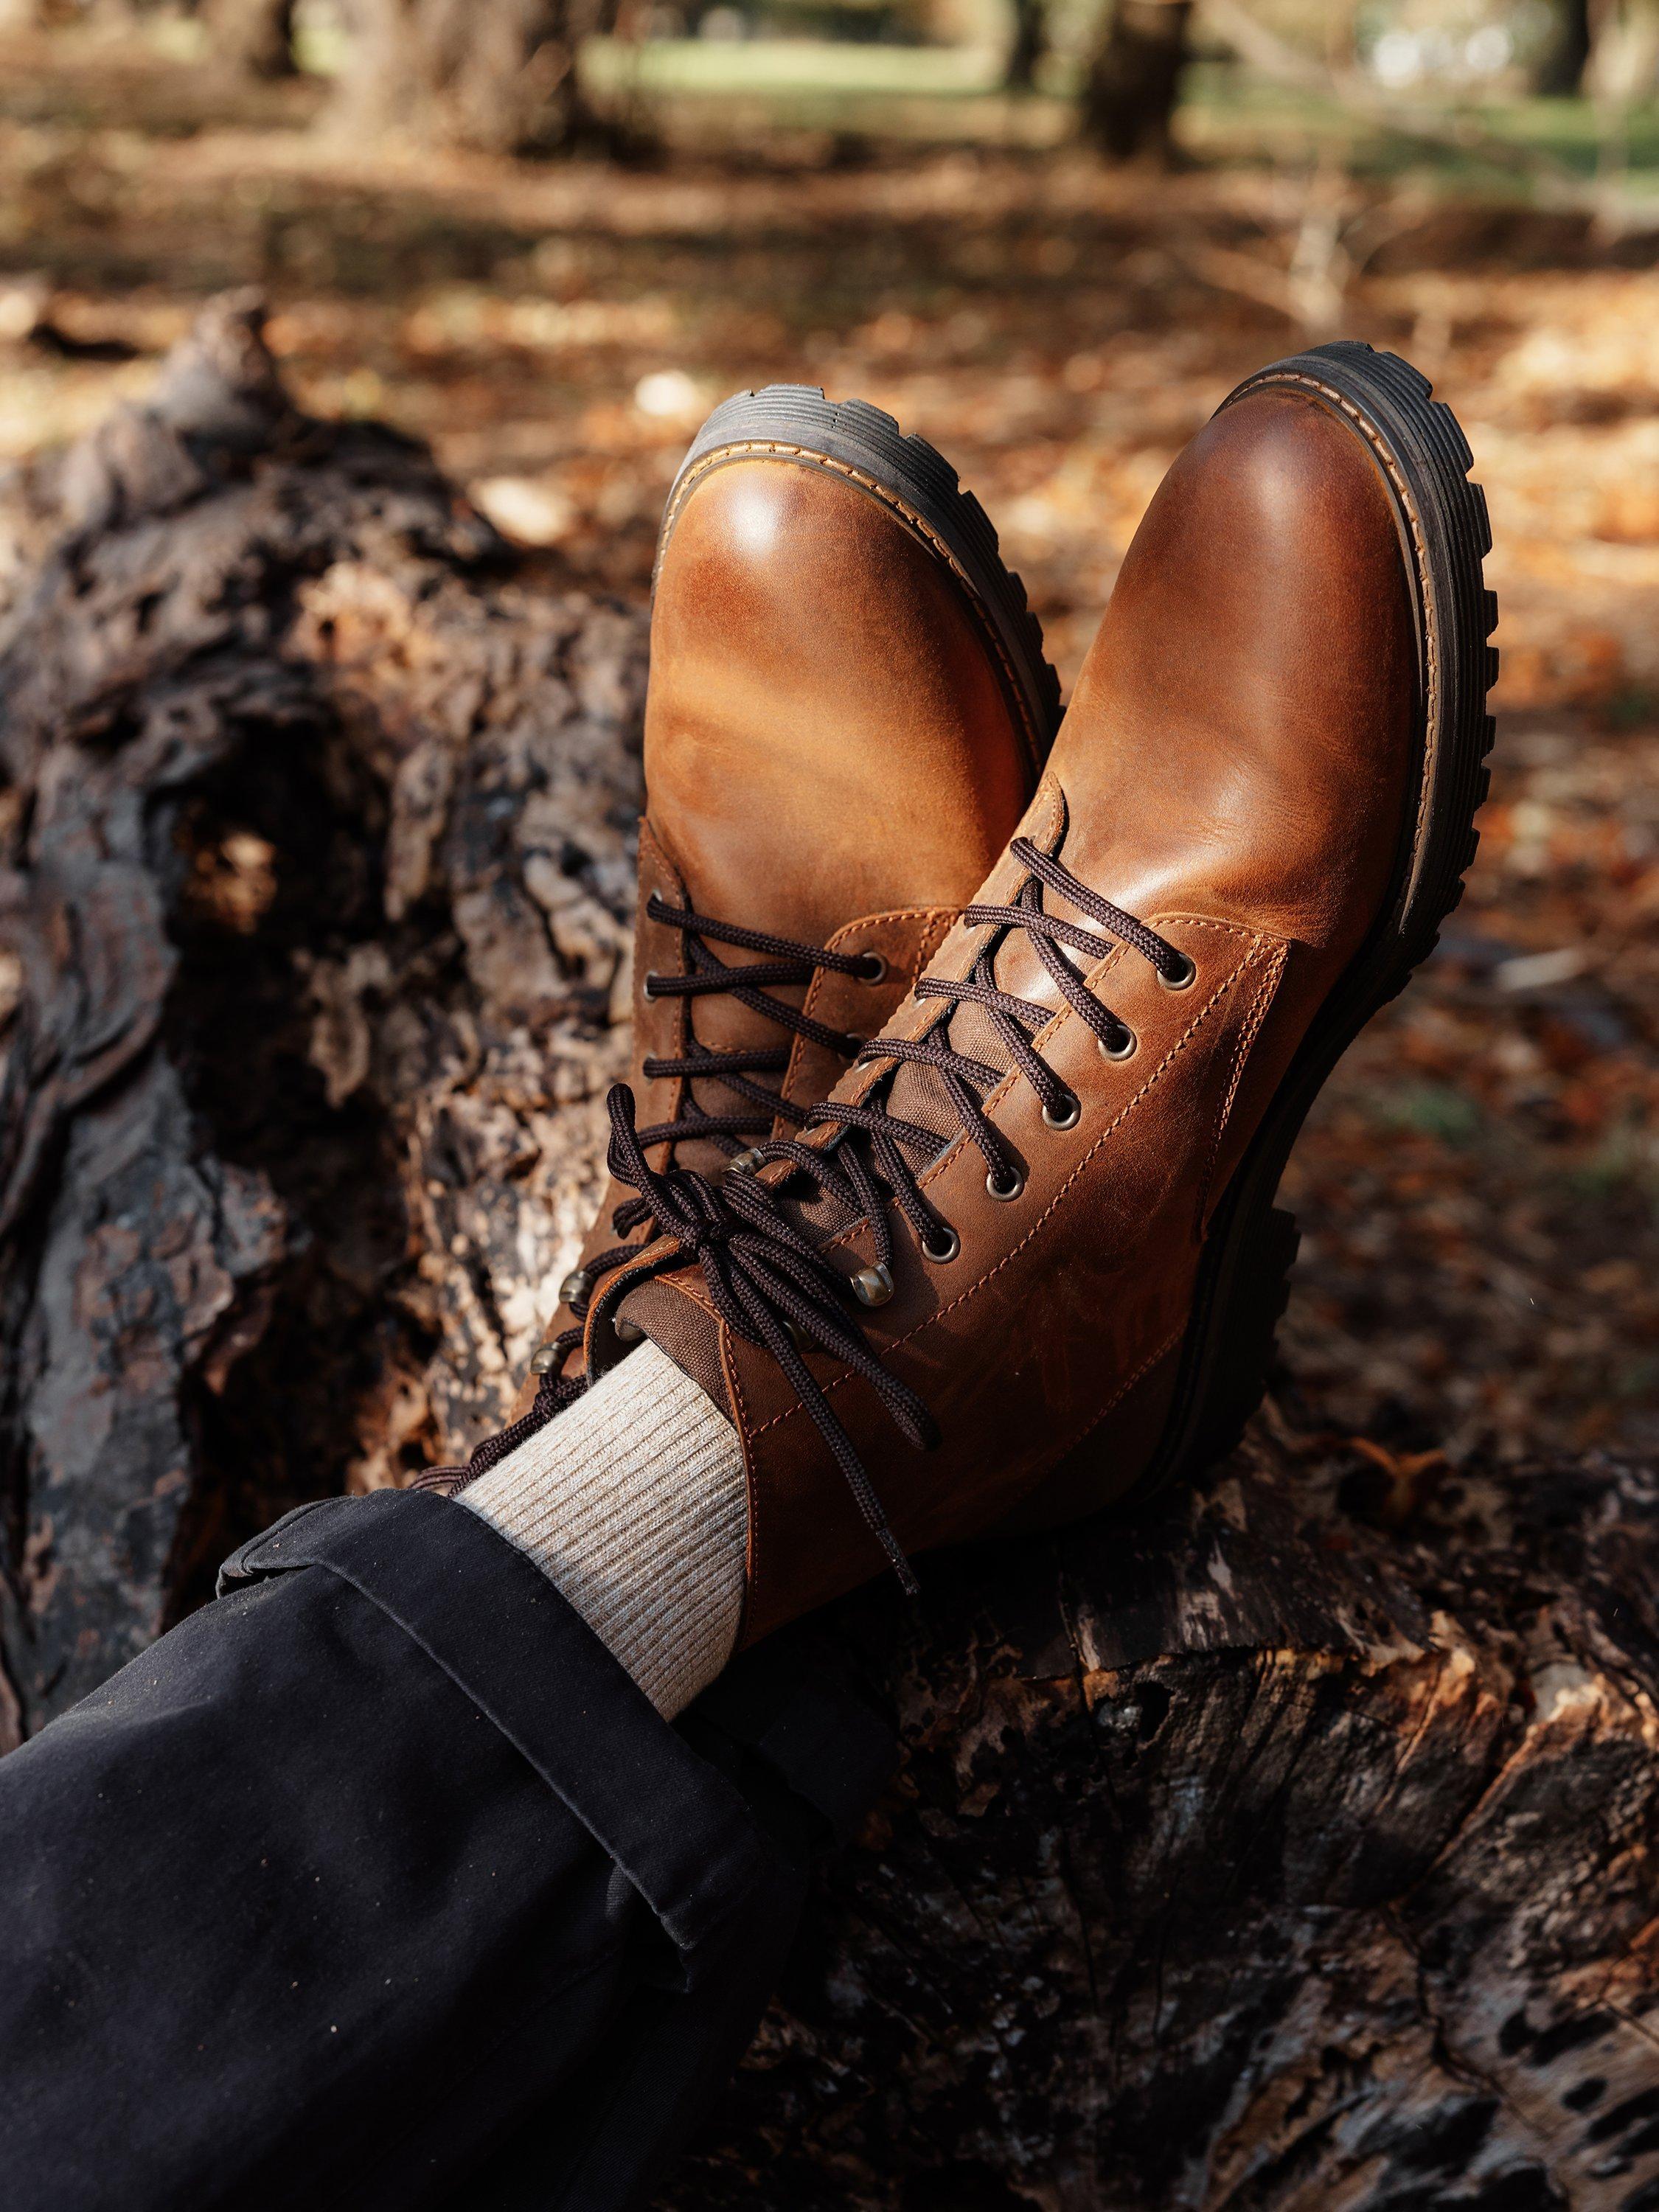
(547, 235)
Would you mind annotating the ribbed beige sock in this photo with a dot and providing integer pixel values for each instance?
(633, 1501)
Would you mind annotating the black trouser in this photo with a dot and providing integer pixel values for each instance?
(379, 1881)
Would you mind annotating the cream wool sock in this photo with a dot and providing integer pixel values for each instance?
(633, 1501)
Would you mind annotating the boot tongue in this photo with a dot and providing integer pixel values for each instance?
(919, 1094)
(721, 1022)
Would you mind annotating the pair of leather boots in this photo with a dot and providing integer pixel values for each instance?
(968, 1049)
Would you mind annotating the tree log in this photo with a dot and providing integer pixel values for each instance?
(317, 895)
(1290, 1847)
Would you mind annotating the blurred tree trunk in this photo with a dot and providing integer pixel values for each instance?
(1622, 68)
(500, 77)
(1029, 44)
(1134, 79)
(252, 38)
(1561, 74)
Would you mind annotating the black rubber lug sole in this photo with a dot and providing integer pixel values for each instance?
(1244, 1276)
(795, 422)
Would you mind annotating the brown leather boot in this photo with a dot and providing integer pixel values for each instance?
(847, 711)
(1034, 1228)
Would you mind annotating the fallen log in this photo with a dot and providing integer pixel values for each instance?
(317, 892)
(1290, 1847)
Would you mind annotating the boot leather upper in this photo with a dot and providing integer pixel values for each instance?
(1236, 770)
(834, 753)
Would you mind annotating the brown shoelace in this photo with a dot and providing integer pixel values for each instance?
(785, 961)
(770, 1282)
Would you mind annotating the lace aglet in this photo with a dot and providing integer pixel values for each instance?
(900, 1565)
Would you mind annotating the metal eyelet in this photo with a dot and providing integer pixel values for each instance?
(874, 969)
(1068, 1117)
(573, 1291)
(1123, 1049)
(872, 1286)
(1005, 1193)
(1184, 976)
(544, 1359)
(944, 1251)
(747, 1162)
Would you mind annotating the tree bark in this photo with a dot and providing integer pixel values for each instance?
(1294, 1848)
(316, 892)
(1133, 82)
(1291, 1848)
(500, 77)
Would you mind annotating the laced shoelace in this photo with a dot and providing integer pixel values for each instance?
(785, 962)
(770, 1282)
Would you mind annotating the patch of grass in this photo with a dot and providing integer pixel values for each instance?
(954, 91)
(1624, 1167)
(1463, 146)
(1572, 130)
(1430, 1110)
(791, 69)
(1638, 1379)
(1635, 707)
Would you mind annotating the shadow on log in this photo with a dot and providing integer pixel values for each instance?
(1292, 1851)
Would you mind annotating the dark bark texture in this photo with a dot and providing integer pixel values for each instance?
(1289, 1850)
(1293, 1848)
(317, 892)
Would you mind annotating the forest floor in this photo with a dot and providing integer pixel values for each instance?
(1480, 1187)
